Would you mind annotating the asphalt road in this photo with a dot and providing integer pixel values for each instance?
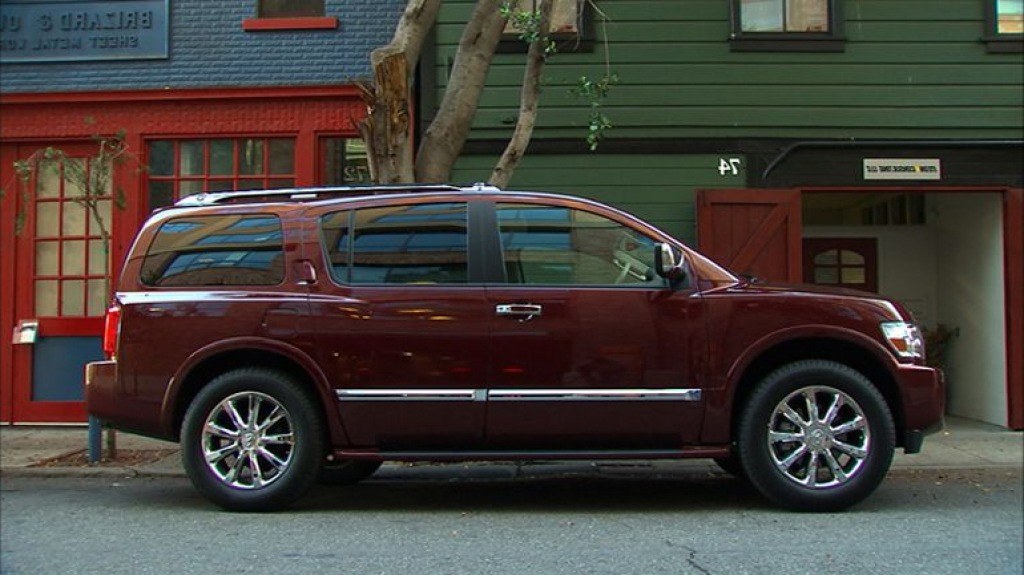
(920, 521)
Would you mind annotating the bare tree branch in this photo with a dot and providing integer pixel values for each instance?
(529, 97)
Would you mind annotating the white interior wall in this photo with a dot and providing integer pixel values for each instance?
(969, 240)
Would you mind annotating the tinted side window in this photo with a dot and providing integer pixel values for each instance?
(216, 251)
(550, 245)
(411, 244)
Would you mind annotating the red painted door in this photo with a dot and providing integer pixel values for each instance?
(752, 232)
(60, 265)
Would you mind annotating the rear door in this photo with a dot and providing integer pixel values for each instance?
(402, 325)
(590, 349)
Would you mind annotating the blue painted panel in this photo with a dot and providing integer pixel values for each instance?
(58, 366)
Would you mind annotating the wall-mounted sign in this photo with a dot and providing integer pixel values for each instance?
(902, 169)
(76, 30)
(26, 332)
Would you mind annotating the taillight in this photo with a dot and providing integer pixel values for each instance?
(111, 330)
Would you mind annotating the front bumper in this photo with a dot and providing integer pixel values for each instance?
(923, 391)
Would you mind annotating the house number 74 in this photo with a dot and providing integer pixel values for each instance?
(729, 166)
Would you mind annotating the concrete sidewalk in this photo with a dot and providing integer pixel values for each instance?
(39, 450)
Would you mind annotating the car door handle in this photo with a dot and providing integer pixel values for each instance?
(523, 311)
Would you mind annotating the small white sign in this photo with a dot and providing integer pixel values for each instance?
(902, 169)
(26, 332)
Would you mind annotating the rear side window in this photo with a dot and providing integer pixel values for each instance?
(204, 251)
(411, 244)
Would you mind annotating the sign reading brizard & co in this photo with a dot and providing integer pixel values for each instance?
(75, 30)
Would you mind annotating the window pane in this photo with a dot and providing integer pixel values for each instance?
(761, 15)
(46, 298)
(73, 263)
(75, 177)
(72, 298)
(190, 187)
(47, 219)
(850, 257)
(46, 258)
(191, 161)
(1011, 16)
(428, 247)
(807, 16)
(161, 158)
(826, 275)
(290, 8)
(216, 251)
(250, 157)
(827, 258)
(161, 194)
(221, 185)
(97, 298)
(282, 156)
(853, 275)
(48, 180)
(222, 157)
(97, 258)
(546, 245)
(335, 236)
(73, 219)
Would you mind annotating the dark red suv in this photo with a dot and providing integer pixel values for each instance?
(291, 336)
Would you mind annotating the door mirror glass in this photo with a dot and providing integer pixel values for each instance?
(668, 261)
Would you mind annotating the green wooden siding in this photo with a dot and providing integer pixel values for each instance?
(910, 69)
(656, 188)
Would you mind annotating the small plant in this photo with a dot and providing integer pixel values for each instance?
(937, 343)
(594, 92)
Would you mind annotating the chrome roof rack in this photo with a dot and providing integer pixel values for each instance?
(310, 194)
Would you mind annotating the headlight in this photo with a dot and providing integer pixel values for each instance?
(904, 338)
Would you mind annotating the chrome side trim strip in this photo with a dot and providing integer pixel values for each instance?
(518, 394)
(410, 394)
(594, 394)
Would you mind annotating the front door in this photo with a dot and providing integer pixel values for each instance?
(589, 348)
(61, 267)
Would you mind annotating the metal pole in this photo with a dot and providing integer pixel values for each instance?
(95, 440)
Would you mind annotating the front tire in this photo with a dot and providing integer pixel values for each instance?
(252, 440)
(816, 436)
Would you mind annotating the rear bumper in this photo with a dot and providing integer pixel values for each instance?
(924, 404)
(101, 397)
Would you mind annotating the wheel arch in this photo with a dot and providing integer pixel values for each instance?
(853, 354)
(211, 362)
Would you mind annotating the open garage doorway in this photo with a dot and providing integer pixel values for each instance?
(942, 254)
(954, 256)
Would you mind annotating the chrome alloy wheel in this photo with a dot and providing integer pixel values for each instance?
(248, 440)
(818, 437)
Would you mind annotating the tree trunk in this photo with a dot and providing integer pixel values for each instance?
(528, 99)
(443, 140)
(387, 129)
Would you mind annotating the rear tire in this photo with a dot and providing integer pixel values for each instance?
(252, 440)
(816, 436)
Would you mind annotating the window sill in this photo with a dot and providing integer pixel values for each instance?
(308, 23)
(1004, 44)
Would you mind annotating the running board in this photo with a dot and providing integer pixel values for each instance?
(711, 451)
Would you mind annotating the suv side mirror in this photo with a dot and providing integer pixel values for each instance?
(668, 262)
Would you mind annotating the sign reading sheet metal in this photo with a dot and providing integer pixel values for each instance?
(902, 169)
(76, 30)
